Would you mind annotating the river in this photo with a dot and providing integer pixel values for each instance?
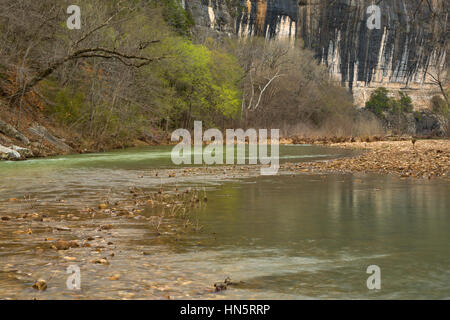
(303, 236)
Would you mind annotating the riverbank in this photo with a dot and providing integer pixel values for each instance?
(421, 159)
(37, 135)
(405, 158)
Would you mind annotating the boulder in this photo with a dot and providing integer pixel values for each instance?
(42, 132)
(11, 132)
(5, 140)
(24, 152)
(9, 154)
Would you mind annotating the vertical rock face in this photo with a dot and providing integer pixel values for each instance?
(404, 51)
(216, 15)
(269, 18)
(409, 43)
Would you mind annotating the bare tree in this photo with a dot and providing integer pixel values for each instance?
(79, 50)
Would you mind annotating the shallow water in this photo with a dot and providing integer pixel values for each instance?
(87, 174)
(295, 237)
(315, 236)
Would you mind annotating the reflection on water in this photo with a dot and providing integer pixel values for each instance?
(293, 237)
(315, 236)
(88, 175)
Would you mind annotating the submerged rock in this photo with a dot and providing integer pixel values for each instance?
(106, 227)
(103, 261)
(65, 245)
(114, 277)
(220, 287)
(40, 285)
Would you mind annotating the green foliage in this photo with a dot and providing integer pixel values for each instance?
(67, 104)
(227, 74)
(405, 102)
(204, 83)
(379, 101)
(111, 104)
(179, 19)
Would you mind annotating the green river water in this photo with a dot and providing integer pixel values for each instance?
(303, 236)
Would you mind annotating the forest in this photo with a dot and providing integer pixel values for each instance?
(134, 71)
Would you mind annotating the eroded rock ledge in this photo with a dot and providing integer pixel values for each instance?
(14, 145)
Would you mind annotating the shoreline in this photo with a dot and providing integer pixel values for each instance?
(422, 159)
(427, 158)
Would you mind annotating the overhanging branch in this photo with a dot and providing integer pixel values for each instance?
(128, 60)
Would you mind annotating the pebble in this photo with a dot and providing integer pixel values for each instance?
(114, 277)
(40, 285)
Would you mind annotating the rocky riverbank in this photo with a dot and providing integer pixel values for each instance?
(419, 159)
(38, 141)
(37, 135)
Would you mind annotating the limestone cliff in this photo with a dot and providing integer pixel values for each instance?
(409, 43)
(402, 53)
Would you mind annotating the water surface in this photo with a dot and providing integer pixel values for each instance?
(290, 236)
